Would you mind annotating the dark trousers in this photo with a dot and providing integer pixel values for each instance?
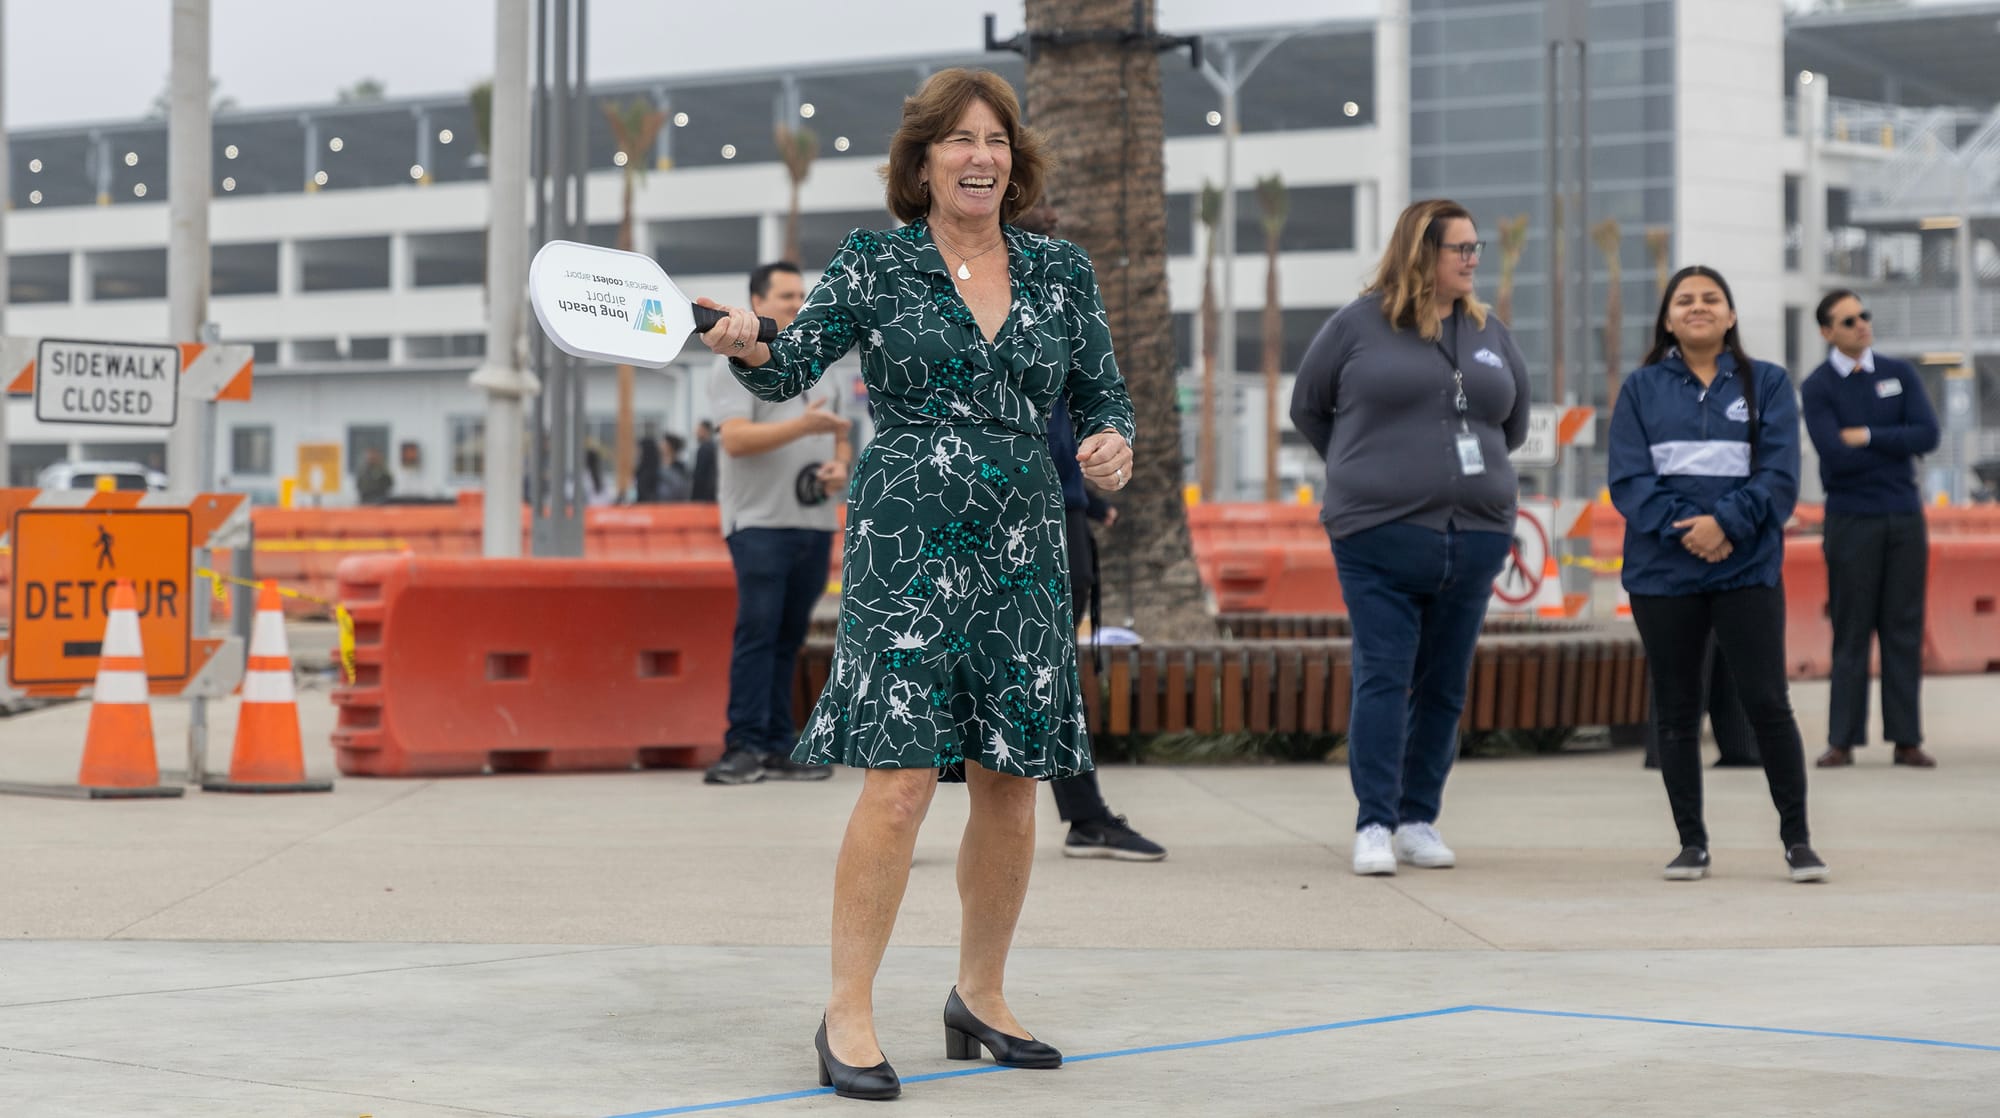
(1078, 798)
(1875, 572)
(1416, 598)
(1748, 625)
(1734, 739)
(780, 574)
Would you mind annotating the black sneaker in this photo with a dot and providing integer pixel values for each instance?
(1692, 865)
(1110, 838)
(738, 766)
(1806, 866)
(780, 766)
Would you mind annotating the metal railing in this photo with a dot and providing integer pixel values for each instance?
(1931, 314)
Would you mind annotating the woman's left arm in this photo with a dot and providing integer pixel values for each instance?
(1772, 489)
(1097, 397)
(1515, 426)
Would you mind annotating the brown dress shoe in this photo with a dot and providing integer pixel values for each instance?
(1835, 757)
(1915, 757)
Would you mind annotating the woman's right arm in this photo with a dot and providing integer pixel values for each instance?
(834, 316)
(1636, 492)
(1317, 386)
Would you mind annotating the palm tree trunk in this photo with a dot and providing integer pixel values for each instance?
(1112, 196)
(792, 250)
(1274, 348)
(1211, 327)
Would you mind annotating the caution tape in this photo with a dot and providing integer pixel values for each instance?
(332, 545)
(340, 615)
(1590, 563)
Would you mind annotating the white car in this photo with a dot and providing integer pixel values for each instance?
(84, 475)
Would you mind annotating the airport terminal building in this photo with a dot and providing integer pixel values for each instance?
(1794, 153)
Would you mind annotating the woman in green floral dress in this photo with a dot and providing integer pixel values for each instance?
(956, 657)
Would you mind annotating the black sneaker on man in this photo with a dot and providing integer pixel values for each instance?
(1110, 838)
(738, 766)
(780, 766)
(1692, 865)
(1805, 865)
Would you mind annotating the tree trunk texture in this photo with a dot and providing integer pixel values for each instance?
(1211, 330)
(1110, 189)
(1274, 352)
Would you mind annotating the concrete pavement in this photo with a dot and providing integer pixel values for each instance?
(624, 944)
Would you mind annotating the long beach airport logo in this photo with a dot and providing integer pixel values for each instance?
(652, 317)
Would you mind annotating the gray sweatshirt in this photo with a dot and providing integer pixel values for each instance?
(1378, 404)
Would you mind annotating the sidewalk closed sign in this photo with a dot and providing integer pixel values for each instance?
(106, 382)
(65, 563)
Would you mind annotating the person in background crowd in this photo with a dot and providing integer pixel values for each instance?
(705, 480)
(1870, 421)
(375, 482)
(646, 475)
(598, 487)
(1704, 466)
(674, 482)
(1414, 395)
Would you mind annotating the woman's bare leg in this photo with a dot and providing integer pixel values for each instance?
(993, 863)
(868, 888)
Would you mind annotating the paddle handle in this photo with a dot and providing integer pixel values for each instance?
(704, 318)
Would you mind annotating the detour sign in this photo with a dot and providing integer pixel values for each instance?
(65, 563)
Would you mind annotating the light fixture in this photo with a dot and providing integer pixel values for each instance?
(619, 159)
(680, 120)
(840, 143)
(806, 110)
(444, 135)
(34, 166)
(228, 184)
(229, 152)
(138, 190)
(1214, 118)
(417, 171)
(729, 151)
(1805, 77)
(131, 159)
(1351, 109)
(335, 144)
(34, 197)
(319, 179)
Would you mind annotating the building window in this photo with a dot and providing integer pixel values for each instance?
(467, 436)
(130, 274)
(707, 245)
(41, 278)
(243, 269)
(344, 264)
(250, 450)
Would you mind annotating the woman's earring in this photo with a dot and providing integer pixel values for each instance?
(924, 185)
(1013, 191)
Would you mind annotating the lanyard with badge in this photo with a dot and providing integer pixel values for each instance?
(1471, 462)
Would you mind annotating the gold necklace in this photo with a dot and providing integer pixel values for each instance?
(964, 272)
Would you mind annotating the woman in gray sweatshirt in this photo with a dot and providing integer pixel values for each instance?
(1414, 395)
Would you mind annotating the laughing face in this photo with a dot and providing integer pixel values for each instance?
(1700, 314)
(966, 171)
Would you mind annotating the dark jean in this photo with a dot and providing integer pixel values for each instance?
(1416, 598)
(780, 574)
(1748, 626)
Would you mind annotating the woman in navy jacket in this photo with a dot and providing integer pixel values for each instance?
(1705, 469)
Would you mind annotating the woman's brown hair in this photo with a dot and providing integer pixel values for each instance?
(1406, 277)
(929, 117)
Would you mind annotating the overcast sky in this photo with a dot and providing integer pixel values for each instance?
(107, 59)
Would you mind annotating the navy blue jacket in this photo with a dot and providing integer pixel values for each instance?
(1062, 448)
(1679, 450)
(1879, 479)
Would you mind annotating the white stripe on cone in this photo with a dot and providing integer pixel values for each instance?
(268, 687)
(267, 634)
(121, 634)
(120, 687)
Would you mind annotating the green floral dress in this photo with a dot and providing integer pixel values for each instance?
(956, 642)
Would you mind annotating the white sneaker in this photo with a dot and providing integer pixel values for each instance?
(1419, 845)
(1371, 851)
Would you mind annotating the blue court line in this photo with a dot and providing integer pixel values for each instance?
(1244, 1038)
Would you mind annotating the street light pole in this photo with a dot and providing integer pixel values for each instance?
(190, 441)
(501, 375)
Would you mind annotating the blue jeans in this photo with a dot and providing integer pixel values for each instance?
(1416, 598)
(780, 574)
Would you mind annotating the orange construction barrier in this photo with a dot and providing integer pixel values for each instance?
(1962, 606)
(468, 665)
(267, 756)
(118, 758)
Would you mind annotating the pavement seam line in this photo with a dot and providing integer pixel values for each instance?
(256, 1082)
(586, 950)
(280, 852)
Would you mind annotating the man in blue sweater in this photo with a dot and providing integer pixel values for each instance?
(1870, 420)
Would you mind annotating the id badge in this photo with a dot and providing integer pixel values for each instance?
(1470, 462)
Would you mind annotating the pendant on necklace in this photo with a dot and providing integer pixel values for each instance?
(963, 271)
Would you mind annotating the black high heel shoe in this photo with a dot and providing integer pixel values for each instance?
(878, 1082)
(964, 1033)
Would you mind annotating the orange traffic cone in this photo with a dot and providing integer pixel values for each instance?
(1549, 601)
(118, 758)
(267, 756)
(1624, 611)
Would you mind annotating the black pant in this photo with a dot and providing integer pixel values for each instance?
(1734, 739)
(1875, 572)
(1749, 628)
(1078, 798)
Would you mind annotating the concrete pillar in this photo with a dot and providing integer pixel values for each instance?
(1392, 115)
(1812, 112)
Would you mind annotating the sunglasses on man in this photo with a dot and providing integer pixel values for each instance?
(1849, 322)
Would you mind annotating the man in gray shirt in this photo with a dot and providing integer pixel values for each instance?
(782, 475)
